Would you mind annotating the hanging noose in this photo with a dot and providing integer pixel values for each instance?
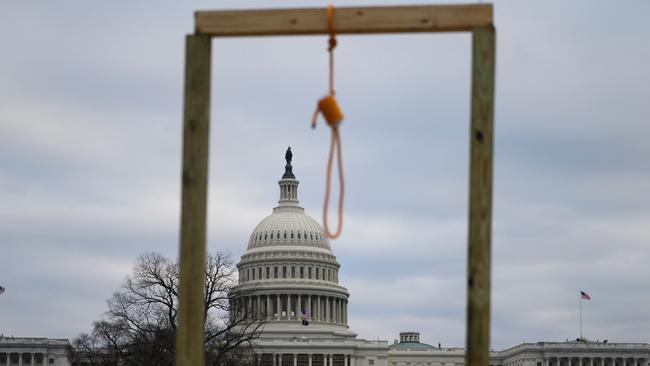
(333, 116)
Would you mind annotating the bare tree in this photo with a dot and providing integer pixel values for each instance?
(139, 327)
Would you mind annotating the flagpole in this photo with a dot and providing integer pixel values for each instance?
(580, 316)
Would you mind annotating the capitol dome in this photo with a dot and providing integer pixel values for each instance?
(288, 276)
(288, 226)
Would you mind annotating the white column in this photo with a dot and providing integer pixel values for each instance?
(279, 357)
(327, 309)
(309, 362)
(32, 359)
(331, 360)
(345, 360)
(269, 313)
(338, 311)
(299, 308)
(274, 360)
(20, 359)
(295, 360)
(277, 316)
(318, 306)
(289, 306)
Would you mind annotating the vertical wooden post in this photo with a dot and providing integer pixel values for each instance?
(480, 197)
(196, 123)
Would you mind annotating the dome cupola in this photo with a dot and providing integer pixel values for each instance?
(288, 225)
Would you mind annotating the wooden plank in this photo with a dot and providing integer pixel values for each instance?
(347, 20)
(196, 123)
(480, 197)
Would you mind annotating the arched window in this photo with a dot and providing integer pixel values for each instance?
(317, 274)
(292, 235)
(264, 236)
(285, 234)
(284, 272)
(311, 236)
(268, 273)
(323, 274)
(302, 272)
(271, 235)
(278, 236)
(298, 234)
(293, 272)
(253, 274)
(259, 273)
(309, 273)
(275, 272)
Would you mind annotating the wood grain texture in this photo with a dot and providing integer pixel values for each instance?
(480, 197)
(347, 20)
(196, 126)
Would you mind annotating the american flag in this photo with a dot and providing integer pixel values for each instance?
(305, 316)
(2, 290)
(584, 296)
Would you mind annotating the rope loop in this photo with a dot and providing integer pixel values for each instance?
(335, 146)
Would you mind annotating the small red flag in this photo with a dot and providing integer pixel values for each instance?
(583, 295)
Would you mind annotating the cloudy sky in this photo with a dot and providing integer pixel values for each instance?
(90, 131)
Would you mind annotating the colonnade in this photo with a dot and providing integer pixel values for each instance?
(305, 359)
(596, 361)
(23, 358)
(319, 308)
(603, 360)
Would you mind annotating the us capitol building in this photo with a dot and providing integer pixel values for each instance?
(289, 274)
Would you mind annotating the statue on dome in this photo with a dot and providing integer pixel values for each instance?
(288, 172)
(288, 155)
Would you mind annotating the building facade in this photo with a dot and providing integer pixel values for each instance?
(288, 276)
(33, 351)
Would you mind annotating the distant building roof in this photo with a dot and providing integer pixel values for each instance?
(411, 346)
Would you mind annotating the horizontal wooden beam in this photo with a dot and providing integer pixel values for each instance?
(347, 20)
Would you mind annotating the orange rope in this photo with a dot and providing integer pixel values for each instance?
(332, 42)
(336, 140)
(332, 115)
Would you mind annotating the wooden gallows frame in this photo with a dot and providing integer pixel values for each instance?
(350, 20)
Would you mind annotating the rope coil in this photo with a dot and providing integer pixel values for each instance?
(333, 116)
